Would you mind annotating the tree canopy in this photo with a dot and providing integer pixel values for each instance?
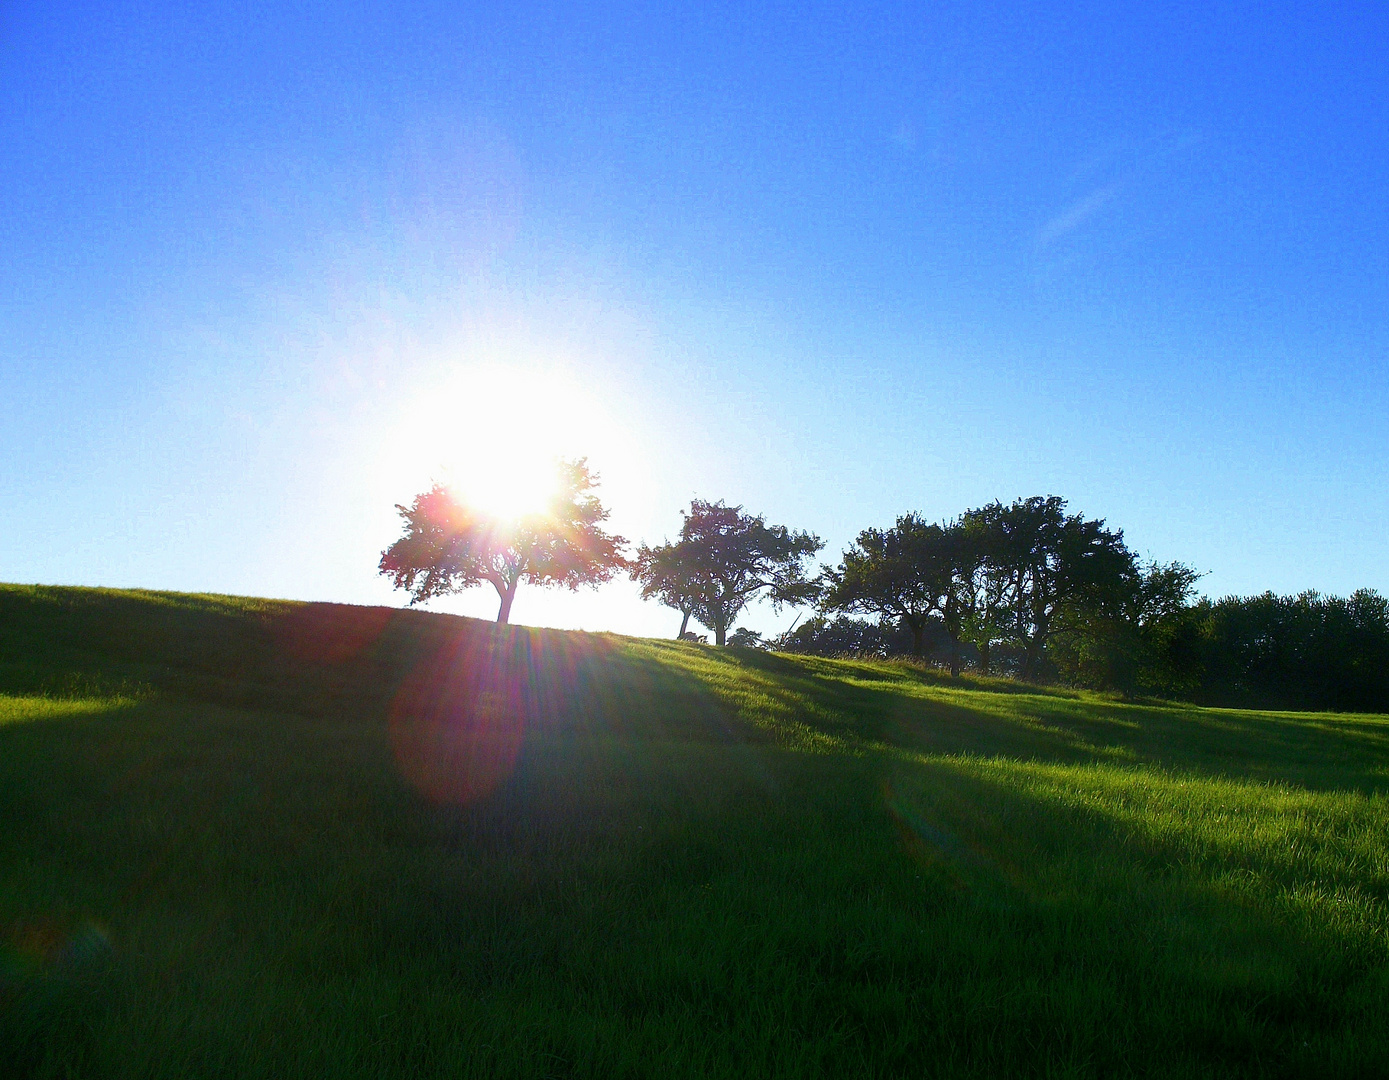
(723, 559)
(1303, 651)
(1059, 565)
(449, 546)
(905, 572)
(1021, 574)
(669, 573)
(987, 585)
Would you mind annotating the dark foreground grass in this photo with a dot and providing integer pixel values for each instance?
(248, 838)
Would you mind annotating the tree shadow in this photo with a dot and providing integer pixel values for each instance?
(1284, 931)
(355, 662)
(863, 705)
(542, 734)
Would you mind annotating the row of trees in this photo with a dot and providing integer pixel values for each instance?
(722, 560)
(1020, 577)
(1024, 588)
(1017, 577)
(1024, 574)
(1303, 651)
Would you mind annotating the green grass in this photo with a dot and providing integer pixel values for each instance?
(251, 838)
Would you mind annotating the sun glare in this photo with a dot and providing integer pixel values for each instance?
(495, 434)
(509, 483)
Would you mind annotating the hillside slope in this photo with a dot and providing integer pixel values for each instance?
(256, 838)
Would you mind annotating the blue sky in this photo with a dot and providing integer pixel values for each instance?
(266, 269)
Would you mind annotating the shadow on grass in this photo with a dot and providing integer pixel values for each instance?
(353, 662)
(856, 706)
(1194, 897)
(659, 872)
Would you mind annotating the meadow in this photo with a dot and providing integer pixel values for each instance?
(255, 838)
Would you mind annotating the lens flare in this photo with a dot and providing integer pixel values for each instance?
(460, 719)
(50, 947)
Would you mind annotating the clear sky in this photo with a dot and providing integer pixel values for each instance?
(267, 268)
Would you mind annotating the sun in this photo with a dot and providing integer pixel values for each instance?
(507, 482)
(495, 435)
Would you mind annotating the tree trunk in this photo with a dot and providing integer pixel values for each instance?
(720, 629)
(954, 656)
(1041, 629)
(504, 613)
(918, 630)
(984, 647)
(1033, 659)
(684, 624)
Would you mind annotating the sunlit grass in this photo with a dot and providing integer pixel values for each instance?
(27, 709)
(224, 854)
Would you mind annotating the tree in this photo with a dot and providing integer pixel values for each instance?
(1303, 651)
(1059, 566)
(957, 557)
(747, 639)
(449, 546)
(845, 636)
(1158, 593)
(1141, 640)
(899, 573)
(987, 585)
(668, 573)
(724, 559)
(1160, 614)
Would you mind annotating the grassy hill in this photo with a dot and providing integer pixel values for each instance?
(254, 838)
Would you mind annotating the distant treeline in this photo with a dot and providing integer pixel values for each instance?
(1307, 651)
(1029, 590)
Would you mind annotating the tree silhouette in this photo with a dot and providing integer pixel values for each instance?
(845, 636)
(899, 573)
(1134, 643)
(449, 547)
(723, 560)
(747, 639)
(668, 574)
(907, 573)
(1061, 567)
(988, 586)
(1304, 651)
